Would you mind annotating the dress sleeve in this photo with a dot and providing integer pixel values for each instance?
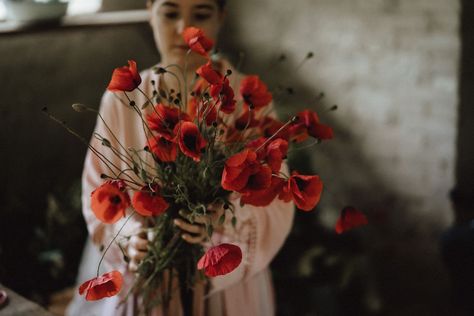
(260, 233)
(101, 234)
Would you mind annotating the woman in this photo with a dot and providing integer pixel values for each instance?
(260, 232)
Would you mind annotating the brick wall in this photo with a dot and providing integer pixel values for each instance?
(391, 66)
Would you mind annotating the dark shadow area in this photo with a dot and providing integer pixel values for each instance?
(458, 242)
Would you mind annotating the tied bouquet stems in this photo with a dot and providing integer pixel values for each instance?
(207, 143)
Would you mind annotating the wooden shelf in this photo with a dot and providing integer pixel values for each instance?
(100, 18)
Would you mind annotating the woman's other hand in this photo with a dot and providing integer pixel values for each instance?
(195, 232)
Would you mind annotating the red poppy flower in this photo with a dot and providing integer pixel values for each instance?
(164, 119)
(305, 191)
(350, 218)
(148, 202)
(258, 181)
(125, 78)
(220, 260)
(270, 126)
(255, 92)
(110, 201)
(223, 94)
(106, 285)
(246, 120)
(238, 169)
(314, 128)
(266, 196)
(209, 74)
(165, 150)
(197, 41)
(205, 109)
(190, 140)
(257, 144)
(275, 153)
(298, 132)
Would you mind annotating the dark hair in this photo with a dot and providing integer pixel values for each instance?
(220, 3)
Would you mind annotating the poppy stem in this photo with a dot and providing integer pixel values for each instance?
(275, 134)
(111, 242)
(315, 142)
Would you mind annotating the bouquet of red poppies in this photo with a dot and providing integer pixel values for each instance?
(203, 153)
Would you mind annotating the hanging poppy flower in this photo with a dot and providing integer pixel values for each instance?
(305, 191)
(148, 202)
(106, 285)
(223, 94)
(275, 153)
(220, 260)
(254, 92)
(209, 74)
(164, 149)
(190, 140)
(164, 119)
(238, 169)
(110, 201)
(350, 218)
(197, 41)
(270, 126)
(266, 196)
(246, 120)
(125, 78)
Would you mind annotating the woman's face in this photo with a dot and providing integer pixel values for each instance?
(170, 17)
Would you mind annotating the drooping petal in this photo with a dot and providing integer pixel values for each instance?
(350, 218)
(220, 260)
(106, 285)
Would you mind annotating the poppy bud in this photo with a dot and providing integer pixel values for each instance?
(79, 107)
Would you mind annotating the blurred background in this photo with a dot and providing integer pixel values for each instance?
(401, 73)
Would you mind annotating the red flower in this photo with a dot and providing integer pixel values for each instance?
(350, 218)
(255, 92)
(147, 202)
(165, 150)
(246, 120)
(223, 94)
(266, 196)
(106, 285)
(190, 140)
(275, 153)
(269, 126)
(110, 201)
(125, 78)
(257, 144)
(197, 41)
(209, 74)
(297, 133)
(310, 121)
(238, 169)
(305, 191)
(220, 260)
(205, 109)
(258, 181)
(164, 119)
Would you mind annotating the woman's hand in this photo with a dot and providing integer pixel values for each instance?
(196, 232)
(137, 249)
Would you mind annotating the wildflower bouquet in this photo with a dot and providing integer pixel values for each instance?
(204, 155)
